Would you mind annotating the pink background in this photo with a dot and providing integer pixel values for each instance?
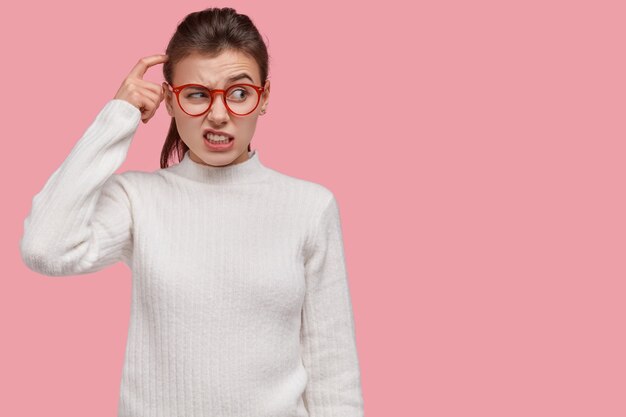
(477, 153)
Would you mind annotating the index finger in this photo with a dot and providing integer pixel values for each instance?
(146, 62)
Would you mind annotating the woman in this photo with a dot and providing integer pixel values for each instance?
(240, 299)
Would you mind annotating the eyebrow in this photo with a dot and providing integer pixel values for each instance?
(238, 77)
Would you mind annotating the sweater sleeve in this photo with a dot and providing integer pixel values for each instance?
(328, 337)
(80, 222)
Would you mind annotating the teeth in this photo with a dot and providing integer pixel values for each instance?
(217, 138)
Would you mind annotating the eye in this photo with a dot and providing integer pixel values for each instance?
(239, 93)
(196, 95)
(194, 92)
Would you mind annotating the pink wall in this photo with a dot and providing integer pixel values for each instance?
(477, 153)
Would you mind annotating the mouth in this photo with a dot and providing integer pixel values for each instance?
(218, 143)
(217, 137)
(211, 139)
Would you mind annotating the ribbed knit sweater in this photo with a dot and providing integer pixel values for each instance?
(240, 301)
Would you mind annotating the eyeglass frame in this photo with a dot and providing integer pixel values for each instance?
(212, 92)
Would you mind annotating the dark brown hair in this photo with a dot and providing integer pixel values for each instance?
(210, 32)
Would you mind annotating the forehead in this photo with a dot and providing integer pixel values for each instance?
(214, 70)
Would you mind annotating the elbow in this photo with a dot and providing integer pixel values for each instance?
(38, 259)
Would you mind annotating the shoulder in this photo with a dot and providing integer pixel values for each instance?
(313, 194)
(133, 183)
(130, 179)
(314, 203)
(140, 179)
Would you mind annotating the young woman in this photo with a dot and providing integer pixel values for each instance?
(240, 298)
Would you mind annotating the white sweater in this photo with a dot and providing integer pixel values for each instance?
(240, 299)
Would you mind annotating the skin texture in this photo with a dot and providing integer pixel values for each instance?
(212, 72)
(145, 95)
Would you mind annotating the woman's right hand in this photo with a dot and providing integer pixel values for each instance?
(144, 95)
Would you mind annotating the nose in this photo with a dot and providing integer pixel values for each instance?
(218, 113)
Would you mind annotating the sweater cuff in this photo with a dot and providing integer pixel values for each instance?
(116, 108)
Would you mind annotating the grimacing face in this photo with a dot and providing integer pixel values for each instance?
(212, 72)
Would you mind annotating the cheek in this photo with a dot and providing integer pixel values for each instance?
(249, 125)
(188, 128)
(245, 129)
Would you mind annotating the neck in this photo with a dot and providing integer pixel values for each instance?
(249, 171)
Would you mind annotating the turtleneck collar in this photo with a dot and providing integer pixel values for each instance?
(248, 171)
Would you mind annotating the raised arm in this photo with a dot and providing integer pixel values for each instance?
(80, 221)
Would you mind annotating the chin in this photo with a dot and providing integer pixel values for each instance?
(223, 158)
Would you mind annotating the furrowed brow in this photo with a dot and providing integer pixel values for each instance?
(239, 77)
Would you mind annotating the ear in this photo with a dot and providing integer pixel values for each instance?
(168, 98)
(266, 95)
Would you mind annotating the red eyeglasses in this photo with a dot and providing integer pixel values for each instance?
(197, 99)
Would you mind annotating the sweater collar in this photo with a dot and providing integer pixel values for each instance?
(248, 171)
